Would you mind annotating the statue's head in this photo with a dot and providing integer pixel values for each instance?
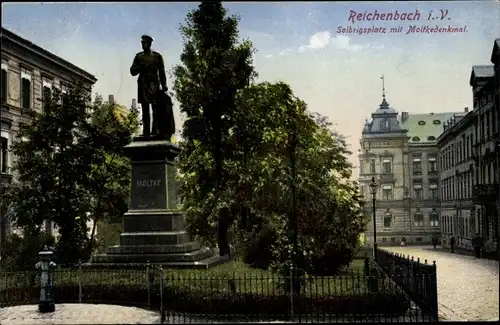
(146, 42)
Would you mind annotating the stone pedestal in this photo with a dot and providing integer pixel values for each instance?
(153, 227)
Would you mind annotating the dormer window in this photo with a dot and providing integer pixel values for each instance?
(415, 139)
(421, 122)
(384, 125)
(437, 122)
(431, 138)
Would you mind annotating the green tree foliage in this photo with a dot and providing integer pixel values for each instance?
(69, 169)
(214, 68)
(109, 132)
(235, 164)
(328, 212)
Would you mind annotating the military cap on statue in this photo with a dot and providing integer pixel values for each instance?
(146, 38)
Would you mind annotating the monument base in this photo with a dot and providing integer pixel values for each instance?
(153, 228)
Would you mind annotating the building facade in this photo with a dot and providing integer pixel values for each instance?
(469, 155)
(456, 179)
(401, 153)
(28, 72)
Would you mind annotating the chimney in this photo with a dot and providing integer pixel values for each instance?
(111, 99)
(466, 109)
(404, 116)
(134, 103)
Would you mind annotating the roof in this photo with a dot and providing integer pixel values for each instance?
(496, 48)
(426, 128)
(384, 121)
(459, 124)
(8, 35)
(481, 72)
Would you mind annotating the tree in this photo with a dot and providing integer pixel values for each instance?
(329, 216)
(69, 169)
(108, 184)
(50, 168)
(214, 68)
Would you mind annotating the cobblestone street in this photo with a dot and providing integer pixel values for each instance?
(77, 314)
(467, 286)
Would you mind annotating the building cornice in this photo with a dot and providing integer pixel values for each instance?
(457, 127)
(8, 36)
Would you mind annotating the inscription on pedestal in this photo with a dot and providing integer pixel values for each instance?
(148, 187)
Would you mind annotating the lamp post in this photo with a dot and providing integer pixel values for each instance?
(373, 189)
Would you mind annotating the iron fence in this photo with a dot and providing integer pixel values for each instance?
(182, 296)
(417, 279)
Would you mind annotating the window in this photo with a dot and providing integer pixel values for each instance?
(418, 218)
(433, 191)
(387, 192)
(47, 89)
(431, 138)
(4, 83)
(386, 166)
(361, 167)
(421, 122)
(3, 155)
(417, 166)
(437, 122)
(388, 219)
(372, 166)
(417, 191)
(384, 125)
(432, 162)
(416, 139)
(26, 89)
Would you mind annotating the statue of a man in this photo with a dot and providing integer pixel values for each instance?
(149, 66)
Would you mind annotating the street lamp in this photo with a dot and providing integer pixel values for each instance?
(373, 190)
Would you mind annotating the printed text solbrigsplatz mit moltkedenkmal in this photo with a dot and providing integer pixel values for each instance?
(412, 22)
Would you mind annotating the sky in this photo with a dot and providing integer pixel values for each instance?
(305, 44)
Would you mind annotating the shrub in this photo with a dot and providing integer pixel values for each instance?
(211, 296)
(199, 302)
(21, 252)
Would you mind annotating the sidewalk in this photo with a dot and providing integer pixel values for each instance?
(463, 251)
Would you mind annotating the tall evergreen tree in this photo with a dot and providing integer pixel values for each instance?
(214, 68)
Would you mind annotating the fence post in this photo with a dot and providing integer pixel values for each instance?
(148, 276)
(291, 293)
(80, 281)
(162, 308)
(434, 295)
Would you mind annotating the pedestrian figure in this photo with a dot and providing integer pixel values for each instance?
(452, 243)
(403, 241)
(477, 243)
(434, 241)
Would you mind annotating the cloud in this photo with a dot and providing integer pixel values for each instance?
(285, 52)
(321, 40)
(317, 41)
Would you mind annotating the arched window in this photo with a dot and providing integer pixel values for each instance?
(418, 218)
(434, 218)
(387, 219)
(415, 139)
